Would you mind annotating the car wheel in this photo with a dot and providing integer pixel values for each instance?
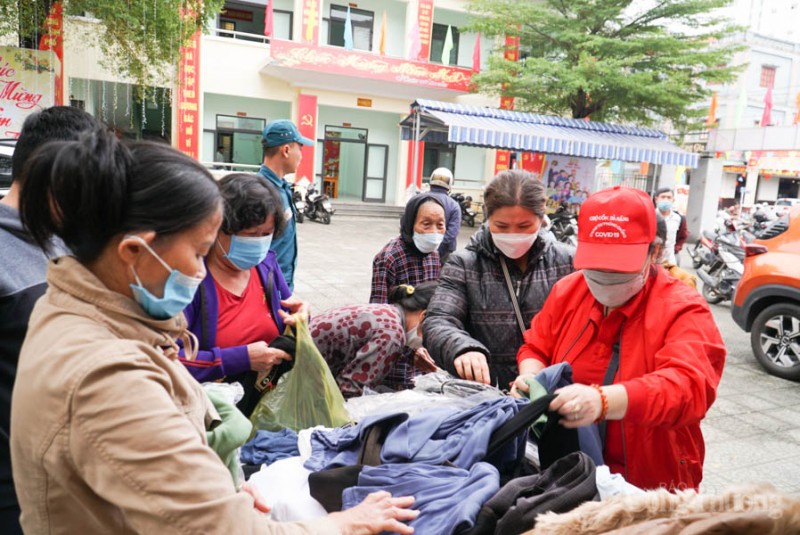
(711, 296)
(775, 338)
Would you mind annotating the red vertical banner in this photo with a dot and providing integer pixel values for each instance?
(411, 176)
(188, 133)
(425, 18)
(503, 157)
(53, 40)
(309, 33)
(307, 125)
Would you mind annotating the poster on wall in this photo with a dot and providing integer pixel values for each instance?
(568, 180)
(27, 85)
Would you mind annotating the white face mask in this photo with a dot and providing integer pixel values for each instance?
(428, 243)
(413, 339)
(615, 289)
(514, 245)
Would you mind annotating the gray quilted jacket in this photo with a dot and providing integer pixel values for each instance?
(472, 310)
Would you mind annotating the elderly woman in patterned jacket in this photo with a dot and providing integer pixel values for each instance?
(489, 292)
(376, 345)
(412, 257)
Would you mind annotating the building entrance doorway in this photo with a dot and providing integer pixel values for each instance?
(352, 168)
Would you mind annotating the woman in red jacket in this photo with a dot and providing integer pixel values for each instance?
(645, 352)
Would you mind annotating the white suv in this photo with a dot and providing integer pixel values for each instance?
(6, 150)
(783, 205)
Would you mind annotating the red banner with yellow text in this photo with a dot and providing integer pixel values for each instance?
(331, 60)
(53, 39)
(425, 18)
(309, 32)
(188, 136)
(307, 125)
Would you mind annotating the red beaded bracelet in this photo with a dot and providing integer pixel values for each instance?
(604, 404)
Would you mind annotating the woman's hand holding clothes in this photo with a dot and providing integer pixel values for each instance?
(378, 512)
(263, 358)
(578, 405)
(472, 366)
(519, 387)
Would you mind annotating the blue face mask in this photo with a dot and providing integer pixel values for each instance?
(246, 252)
(179, 291)
(664, 206)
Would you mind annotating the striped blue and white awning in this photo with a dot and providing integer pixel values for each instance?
(443, 122)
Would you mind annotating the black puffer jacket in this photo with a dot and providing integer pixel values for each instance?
(472, 310)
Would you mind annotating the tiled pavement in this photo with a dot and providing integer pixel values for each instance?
(752, 431)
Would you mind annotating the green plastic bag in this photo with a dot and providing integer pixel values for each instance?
(306, 396)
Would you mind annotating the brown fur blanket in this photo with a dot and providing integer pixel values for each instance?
(746, 509)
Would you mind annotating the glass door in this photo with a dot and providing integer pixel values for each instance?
(375, 174)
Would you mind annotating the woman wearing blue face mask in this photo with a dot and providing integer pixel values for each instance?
(238, 315)
(412, 257)
(489, 291)
(107, 426)
(376, 345)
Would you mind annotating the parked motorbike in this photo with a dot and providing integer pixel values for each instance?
(704, 251)
(299, 204)
(318, 206)
(465, 202)
(564, 226)
(725, 268)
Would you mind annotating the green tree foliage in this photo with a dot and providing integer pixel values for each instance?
(633, 61)
(140, 38)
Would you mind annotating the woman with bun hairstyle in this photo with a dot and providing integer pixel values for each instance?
(108, 428)
(376, 345)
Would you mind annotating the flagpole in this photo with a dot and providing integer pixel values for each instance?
(416, 145)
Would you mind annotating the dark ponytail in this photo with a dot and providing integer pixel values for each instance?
(90, 190)
(413, 298)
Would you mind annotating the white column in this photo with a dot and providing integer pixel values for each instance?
(666, 176)
(703, 196)
(751, 185)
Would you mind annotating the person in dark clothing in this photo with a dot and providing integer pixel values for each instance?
(471, 328)
(412, 257)
(441, 183)
(23, 267)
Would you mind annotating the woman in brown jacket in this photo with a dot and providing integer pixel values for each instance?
(107, 426)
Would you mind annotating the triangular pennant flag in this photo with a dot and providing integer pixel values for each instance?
(711, 120)
(766, 117)
(415, 46)
(348, 31)
(268, 19)
(476, 54)
(382, 41)
(448, 46)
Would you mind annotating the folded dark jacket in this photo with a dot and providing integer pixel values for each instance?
(565, 485)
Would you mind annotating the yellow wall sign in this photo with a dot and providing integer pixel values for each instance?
(364, 102)
(27, 79)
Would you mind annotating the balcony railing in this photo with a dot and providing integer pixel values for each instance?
(242, 36)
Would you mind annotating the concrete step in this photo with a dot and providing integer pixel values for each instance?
(351, 209)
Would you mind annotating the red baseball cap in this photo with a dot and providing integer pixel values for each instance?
(615, 229)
